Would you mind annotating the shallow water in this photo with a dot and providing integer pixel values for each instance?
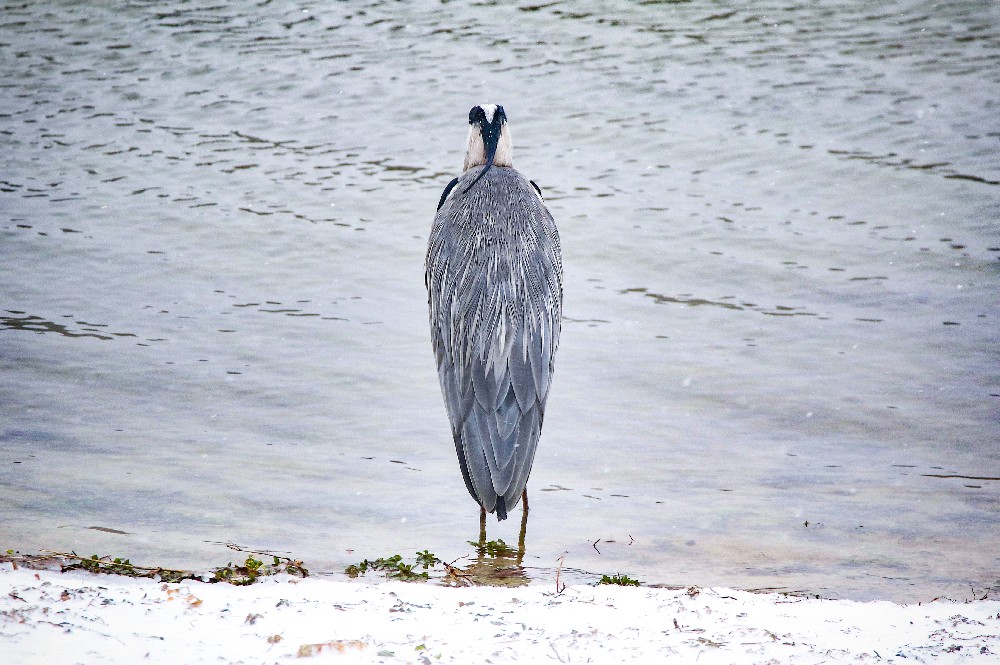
(779, 364)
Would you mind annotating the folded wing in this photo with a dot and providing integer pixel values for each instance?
(494, 277)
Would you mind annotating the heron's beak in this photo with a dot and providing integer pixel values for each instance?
(491, 138)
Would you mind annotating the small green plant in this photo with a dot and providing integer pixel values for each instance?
(494, 548)
(427, 560)
(238, 575)
(395, 568)
(118, 566)
(619, 579)
(292, 567)
(253, 569)
(248, 573)
(91, 565)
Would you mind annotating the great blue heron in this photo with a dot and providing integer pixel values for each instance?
(494, 282)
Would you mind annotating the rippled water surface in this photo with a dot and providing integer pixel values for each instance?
(779, 366)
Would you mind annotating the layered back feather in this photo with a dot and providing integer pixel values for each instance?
(494, 279)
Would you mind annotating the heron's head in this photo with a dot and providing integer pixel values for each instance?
(489, 140)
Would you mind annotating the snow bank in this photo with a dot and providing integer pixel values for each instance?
(53, 618)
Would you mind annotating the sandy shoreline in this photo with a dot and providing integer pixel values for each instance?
(52, 618)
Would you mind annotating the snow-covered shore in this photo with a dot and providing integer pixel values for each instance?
(53, 618)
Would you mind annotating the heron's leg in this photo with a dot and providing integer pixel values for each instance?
(482, 528)
(524, 526)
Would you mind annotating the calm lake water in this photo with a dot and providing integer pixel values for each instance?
(780, 364)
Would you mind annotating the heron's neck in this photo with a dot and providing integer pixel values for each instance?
(475, 152)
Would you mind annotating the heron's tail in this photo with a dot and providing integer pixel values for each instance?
(501, 509)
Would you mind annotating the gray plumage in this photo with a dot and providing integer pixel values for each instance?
(494, 280)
